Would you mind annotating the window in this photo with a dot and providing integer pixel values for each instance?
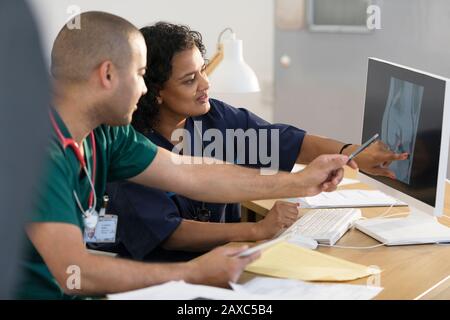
(338, 15)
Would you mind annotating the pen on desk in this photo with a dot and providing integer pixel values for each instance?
(364, 146)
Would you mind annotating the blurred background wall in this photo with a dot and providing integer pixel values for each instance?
(322, 89)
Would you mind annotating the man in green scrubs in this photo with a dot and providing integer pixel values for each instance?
(98, 79)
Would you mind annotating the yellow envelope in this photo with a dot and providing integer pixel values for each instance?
(286, 260)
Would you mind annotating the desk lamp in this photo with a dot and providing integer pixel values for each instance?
(227, 70)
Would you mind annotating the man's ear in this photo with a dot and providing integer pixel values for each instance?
(106, 74)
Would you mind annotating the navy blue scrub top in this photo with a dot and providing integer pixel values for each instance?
(148, 216)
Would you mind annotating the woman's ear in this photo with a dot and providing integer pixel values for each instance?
(159, 93)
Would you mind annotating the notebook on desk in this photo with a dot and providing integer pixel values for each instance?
(348, 199)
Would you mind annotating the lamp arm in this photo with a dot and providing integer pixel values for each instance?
(215, 60)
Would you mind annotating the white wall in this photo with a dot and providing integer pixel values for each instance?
(323, 90)
(252, 20)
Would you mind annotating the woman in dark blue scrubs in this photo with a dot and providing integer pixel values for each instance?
(156, 225)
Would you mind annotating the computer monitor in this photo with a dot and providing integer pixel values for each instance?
(410, 110)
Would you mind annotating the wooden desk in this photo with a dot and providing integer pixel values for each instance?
(408, 271)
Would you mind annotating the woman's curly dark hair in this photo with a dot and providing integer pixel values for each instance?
(163, 41)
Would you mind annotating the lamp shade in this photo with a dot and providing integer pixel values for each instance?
(233, 75)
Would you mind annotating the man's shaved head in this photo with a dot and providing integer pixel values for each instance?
(103, 36)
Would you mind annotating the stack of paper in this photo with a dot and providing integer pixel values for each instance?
(259, 288)
(180, 290)
(286, 289)
(348, 199)
(286, 260)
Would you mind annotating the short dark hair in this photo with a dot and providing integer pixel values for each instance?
(163, 40)
(102, 36)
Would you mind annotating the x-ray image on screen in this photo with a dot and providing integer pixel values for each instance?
(400, 123)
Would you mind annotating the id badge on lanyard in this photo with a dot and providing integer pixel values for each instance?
(105, 229)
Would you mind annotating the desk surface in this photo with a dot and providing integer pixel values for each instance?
(408, 271)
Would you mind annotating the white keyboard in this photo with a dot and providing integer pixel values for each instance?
(325, 226)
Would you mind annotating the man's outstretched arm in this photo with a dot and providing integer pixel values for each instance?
(231, 183)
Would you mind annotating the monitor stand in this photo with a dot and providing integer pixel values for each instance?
(417, 228)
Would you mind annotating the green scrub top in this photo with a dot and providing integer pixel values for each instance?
(121, 153)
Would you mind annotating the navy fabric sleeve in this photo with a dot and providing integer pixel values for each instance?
(147, 216)
(289, 143)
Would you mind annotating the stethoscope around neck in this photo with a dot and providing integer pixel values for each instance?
(90, 216)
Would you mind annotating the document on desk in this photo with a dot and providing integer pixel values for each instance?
(349, 199)
(260, 288)
(180, 290)
(287, 260)
(287, 289)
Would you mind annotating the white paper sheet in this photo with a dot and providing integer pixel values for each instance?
(285, 289)
(260, 288)
(348, 199)
(180, 290)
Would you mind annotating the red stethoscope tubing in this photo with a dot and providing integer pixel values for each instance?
(68, 142)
